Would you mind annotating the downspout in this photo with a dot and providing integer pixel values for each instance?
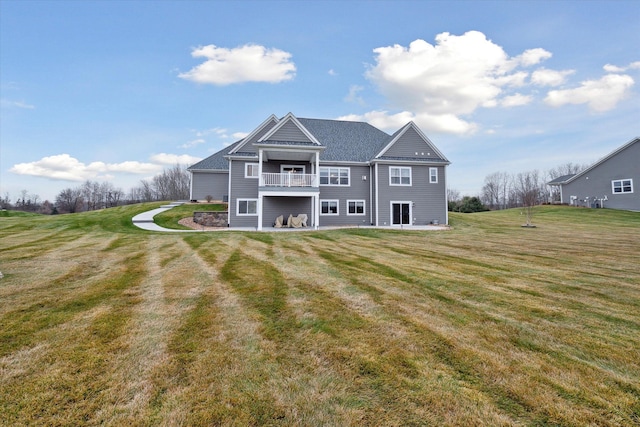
(260, 183)
(229, 197)
(377, 196)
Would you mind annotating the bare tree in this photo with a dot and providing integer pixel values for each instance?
(530, 191)
(69, 200)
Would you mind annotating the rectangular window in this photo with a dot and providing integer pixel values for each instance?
(355, 207)
(335, 176)
(399, 175)
(247, 207)
(250, 170)
(620, 186)
(433, 175)
(328, 207)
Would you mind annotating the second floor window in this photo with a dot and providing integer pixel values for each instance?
(433, 175)
(399, 175)
(251, 170)
(334, 176)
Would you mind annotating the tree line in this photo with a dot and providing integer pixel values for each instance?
(171, 184)
(503, 190)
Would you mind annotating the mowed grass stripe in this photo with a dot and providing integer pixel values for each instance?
(473, 326)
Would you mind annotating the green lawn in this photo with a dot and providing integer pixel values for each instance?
(487, 323)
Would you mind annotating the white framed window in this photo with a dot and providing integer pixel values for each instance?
(433, 175)
(620, 186)
(399, 175)
(355, 207)
(335, 176)
(247, 207)
(329, 207)
(250, 170)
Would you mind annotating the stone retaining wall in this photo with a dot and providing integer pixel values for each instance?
(211, 219)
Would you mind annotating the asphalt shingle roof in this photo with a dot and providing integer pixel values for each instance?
(344, 141)
(347, 141)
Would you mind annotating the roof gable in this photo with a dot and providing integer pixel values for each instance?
(602, 160)
(289, 129)
(266, 126)
(409, 142)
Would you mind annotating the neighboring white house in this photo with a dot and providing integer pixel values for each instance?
(334, 172)
(611, 182)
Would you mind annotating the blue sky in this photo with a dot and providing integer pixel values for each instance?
(120, 90)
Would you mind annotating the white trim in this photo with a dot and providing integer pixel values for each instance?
(446, 200)
(364, 207)
(621, 181)
(257, 169)
(377, 196)
(254, 133)
(403, 130)
(400, 168)
(281, 123)
(248, 213)
(339, 168)
(329, 201)
(436, 175)
(405, 202)
(229, 194)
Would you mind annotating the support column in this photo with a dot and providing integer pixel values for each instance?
(316, 211)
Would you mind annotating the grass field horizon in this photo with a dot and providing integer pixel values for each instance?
(487, 323)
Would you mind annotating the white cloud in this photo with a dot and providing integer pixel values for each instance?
(532, 57)
(600, 95)
(391, 122)
(332, 72)
(456, 76)
(193, 143)
(609, 68)
(66, 168)
(516, 100)
(545, 77)
(16, 104)
(239, 135)
(353, 96)
(174, 159)
(248, 63)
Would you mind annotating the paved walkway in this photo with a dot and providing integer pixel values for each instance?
(146, 222)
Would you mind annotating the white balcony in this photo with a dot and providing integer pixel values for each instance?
(288, 180)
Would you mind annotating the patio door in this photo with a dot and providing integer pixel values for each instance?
(401, 213)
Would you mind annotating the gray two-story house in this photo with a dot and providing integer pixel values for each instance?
(609, 183)
(334, 172)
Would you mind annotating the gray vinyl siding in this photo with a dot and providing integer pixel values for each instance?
(248, 147)
(241, 188)
(272, 207)
(596, 183)
(358, 189)
(428, 199)
(289, 133)
(204, 184)
(409, 144)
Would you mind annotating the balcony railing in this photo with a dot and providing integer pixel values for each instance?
(289, 180)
